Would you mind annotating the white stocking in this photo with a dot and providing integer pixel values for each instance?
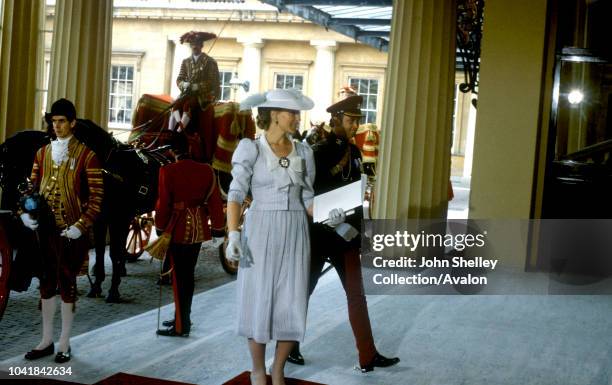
(67, 318)
(175, 117)
(48, 314)
(184, 122)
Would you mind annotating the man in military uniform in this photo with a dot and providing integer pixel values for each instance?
(68, 176)
(198, 80)
(187, 196)
(338, 163)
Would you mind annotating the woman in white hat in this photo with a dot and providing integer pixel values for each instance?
(274, 246)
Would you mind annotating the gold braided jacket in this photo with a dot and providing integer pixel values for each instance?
(78, 179)
(205, 73)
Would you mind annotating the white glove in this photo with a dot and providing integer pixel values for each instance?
(28, 222)
(184, 86)
(72, 232)
(195, 87)
(233, 252)
(336, 216)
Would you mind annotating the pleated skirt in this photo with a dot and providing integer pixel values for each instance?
(273, 276)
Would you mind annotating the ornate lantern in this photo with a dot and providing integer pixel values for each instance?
(469, 34)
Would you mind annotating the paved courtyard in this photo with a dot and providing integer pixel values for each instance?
(20, 327)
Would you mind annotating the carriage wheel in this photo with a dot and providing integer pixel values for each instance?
(6, 257)
(138, 236)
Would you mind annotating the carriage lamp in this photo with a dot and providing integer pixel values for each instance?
(236, 83)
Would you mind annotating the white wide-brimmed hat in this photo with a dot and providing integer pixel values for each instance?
(290, 99)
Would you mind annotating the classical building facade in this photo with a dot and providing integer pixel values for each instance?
(525, 116)
(255, 43)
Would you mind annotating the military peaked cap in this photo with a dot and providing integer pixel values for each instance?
(351, 106)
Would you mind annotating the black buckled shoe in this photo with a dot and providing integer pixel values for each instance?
(379, 361)
(169, 323)
(171, 332)
(295, 357)
(62, 357)
(35, 354)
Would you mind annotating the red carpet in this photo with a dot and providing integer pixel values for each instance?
(115, 379)
(130, 379)
(244, 379)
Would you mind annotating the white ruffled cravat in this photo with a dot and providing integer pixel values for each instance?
(284, 176)
(59, 149)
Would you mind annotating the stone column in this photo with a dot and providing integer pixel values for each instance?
(414, 158)
(324, 69)
(21, 65)
(509, 119)
(81, 56)
(250, 68)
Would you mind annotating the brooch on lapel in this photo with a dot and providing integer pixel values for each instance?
(284, 162)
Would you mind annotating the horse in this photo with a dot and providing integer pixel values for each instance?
(317, 133)
(130, 189)
(16, 157)
(130, 184)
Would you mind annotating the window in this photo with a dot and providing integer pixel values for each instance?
(285, 81)
(368, 88)
(121, 95)
(226, 89)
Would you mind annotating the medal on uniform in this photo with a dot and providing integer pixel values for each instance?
(284, 162)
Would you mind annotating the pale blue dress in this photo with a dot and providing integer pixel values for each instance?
(274, 271)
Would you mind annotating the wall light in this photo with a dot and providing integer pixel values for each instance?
(575, 97)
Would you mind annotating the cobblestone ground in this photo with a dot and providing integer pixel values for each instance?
(20, 327)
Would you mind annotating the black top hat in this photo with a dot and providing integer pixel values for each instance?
(61, 107)
(351, 106)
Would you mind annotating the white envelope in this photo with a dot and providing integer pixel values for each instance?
(346, 197)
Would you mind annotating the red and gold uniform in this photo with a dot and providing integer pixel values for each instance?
(367, 139)
(198, 80)
(188, 198)
(74, 191)
(205, 73)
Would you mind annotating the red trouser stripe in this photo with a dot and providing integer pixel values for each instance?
(178, 319)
